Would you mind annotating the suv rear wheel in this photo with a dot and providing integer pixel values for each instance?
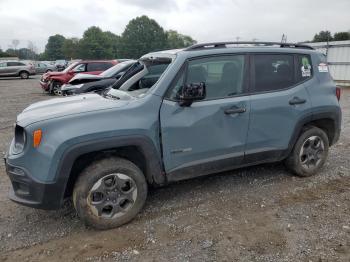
(24, 75)
(309, 153)
(109, 193)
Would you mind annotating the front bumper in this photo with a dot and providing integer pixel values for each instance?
(45, 84)
(29, 192)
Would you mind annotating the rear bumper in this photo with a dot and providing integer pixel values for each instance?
(29, 192)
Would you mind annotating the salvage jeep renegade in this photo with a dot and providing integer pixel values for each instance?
(175, 115)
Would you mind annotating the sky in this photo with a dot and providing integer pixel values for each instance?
(203, 20)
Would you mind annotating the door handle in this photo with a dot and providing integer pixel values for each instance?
(235, 110)
(297, 101)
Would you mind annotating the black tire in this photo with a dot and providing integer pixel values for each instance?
(24, 75)
(98, 173)
(48, 71)
(305, 161)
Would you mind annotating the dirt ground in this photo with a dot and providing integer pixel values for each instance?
(260, 213)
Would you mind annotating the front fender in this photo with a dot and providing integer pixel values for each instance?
(61, 79)
(154, 170)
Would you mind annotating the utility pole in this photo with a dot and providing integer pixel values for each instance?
(284, 39)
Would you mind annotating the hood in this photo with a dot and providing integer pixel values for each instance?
(81, 77)
(49, 74)
(59, 107)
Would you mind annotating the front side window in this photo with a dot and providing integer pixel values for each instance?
(223, 76)
(80, 68)
(273, 72)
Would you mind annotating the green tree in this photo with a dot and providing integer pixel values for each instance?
(113, 41)
(3, 54)
(95, 44)
(142, 35)
(53, 48)
(11, 52)
(323, 36)
(70, 48)
(26, 53)
(176, 40)
(340, 36)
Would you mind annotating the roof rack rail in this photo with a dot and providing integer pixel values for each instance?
(224, 45)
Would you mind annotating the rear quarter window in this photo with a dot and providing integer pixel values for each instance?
(303, 68)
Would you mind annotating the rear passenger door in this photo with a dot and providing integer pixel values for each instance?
(210, 135)
(13, 68)
(278, 101)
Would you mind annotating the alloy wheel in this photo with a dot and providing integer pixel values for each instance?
(112, 195)
(312, 152)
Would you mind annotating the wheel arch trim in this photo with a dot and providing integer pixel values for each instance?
(154, 169)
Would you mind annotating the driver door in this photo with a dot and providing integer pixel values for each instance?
(210, 135)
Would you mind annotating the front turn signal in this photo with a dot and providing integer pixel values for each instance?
(37, 137)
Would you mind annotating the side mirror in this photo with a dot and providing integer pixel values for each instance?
(192, 92)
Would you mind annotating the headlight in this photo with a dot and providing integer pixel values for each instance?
(20, 140)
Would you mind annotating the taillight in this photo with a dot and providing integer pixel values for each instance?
(338, 92)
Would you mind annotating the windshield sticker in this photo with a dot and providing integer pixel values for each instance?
(322, 68)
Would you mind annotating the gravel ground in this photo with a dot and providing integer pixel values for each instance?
(261, 213)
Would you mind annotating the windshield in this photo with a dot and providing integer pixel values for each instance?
(139, 78)
(117, 68)
(70, 67)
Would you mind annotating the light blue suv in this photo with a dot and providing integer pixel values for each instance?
(175, 115)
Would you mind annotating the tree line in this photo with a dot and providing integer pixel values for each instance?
(141, 35)
(324, 36)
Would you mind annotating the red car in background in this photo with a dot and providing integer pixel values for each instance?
(52, 81)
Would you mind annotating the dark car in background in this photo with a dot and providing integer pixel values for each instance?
(83, 83)
(16, 69)
(52, 81)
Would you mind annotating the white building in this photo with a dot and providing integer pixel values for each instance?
(338, 58)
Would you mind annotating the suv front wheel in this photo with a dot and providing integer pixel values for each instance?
(109, 193)
(309, 153)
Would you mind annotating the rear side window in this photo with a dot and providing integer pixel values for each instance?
(304, 68)
(98, 66)
(273, 72)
